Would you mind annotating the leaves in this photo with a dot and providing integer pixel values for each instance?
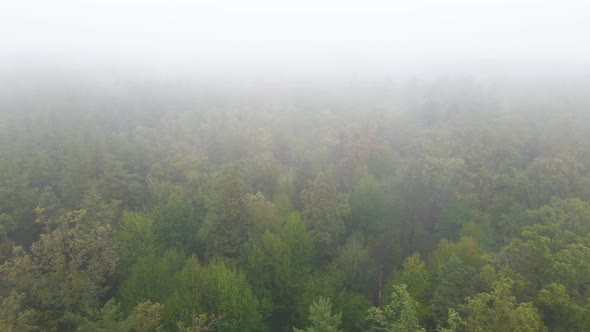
(320, 315)
(498, 311)
(67, 268)
(400, 314)
(324, 209)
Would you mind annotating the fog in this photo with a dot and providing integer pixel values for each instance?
(299, 39)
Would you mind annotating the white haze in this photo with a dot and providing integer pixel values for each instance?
(303, 37)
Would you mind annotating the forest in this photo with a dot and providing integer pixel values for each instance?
(448, 204)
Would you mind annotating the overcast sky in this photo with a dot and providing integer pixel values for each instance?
(293, 34)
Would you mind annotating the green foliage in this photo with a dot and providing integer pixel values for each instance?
(99, 208)
(353, 260)
(320, 315)
(14, 317)
(417, 280)
(481, 232)
(175, 225)
(324, 209)
(295, 235)
(145, 317)
(185, 299)
(229, 296)
(415, 276)
(216, 289)
(200, 322)
(353, 306)
(226, 226)
(554, 250)
(150, 278)
(262, 175)
(66, 269)
(383, 163)
(262, 214)
(135, 238)
(18, 201)
(7, 224)
(400, 314)
(455, 214)
(453, 267)
(454, 322)
(549, 176)
(288, 201)
(559, 311)
(49, 208)
(270, 259)
(368, 207)
(78, 174)
(282, 269)
(107, 318)
(282, 263)
(115, 181)
(498, 311)
(453, 281)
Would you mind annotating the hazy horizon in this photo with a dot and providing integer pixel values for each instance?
(303, 40)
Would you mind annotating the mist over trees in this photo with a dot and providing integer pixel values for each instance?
(450, 204)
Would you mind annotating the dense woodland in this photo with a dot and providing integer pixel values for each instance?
(422, 205)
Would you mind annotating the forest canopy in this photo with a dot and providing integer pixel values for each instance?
(452, 204)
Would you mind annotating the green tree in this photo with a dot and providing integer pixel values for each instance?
(14, 317)
(560, 312)
(66, 269)
(454, 322)
(280, 265)
(328, 282)
(99, 208)
(453, 281)
(49, 208)
(415, 276)
(116, 182)
(456, 212)
(324, 209)
(353, 260)
(453, 268)
(18, 201)
(498, 311)
(321, 317)
(400, 314)
(134, 238)
(79, 171)
(7, 225)
(226, 294)
(368, 207)
(145, 317)
(268, 260)
(554, 249)
(548, 177)
(185, 300)
(151, 278)
(200, 323)
(466, 249)
(227, 223)
(216, 289)
(174, 224)
(262, 214)
(353, 306)
(300, 243)
(418, 282)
